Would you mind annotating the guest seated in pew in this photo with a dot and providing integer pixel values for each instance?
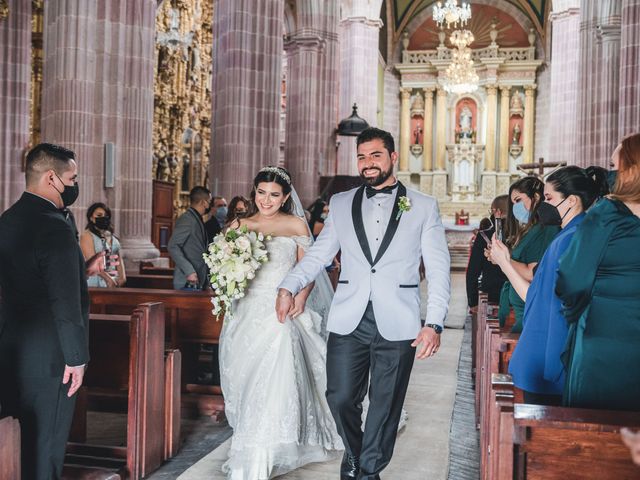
(527, 239)
(599, 286)
(98, 237)
(535, 365)
(479, 266)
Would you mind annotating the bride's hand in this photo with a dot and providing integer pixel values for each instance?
(284, 304)
(299, 302)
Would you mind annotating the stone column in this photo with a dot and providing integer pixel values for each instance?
(98, 87)
(563, 129)
(15, 80)
(488, 187)
(69, 90)
(529, 122)
(359, 37)
(405, 129)
(439, 176)
(136, 146)
(490, 142)
(629, 117)
(441, 124)
(427, 141)
(304, 146)
(247, 60)
(599, 81)
(504, 129)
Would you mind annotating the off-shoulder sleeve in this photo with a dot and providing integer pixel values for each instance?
(303, 242)
(579, 264)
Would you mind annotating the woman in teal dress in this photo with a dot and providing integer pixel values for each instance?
(535, 366)
(599, 286)
(528, 240)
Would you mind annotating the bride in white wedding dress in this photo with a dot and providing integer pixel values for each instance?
(273, 374)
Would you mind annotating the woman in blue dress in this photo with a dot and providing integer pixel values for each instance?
(536, 366)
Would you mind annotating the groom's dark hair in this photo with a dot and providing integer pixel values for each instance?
(373, 133)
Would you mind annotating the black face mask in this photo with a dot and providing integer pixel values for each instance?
(549, 215)
(70, 193)
(103, 223)
(207, 210)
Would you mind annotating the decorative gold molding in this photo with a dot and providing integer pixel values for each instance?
(37, 56)
(4, 9)
(182, 96)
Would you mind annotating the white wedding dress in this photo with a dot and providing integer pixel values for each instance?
(273, 379)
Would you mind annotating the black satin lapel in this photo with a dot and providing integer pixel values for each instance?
(356, 215)
(393, 223)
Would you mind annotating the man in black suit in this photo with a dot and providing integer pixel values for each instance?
(44, 311)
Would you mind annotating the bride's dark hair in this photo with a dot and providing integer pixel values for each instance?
(277, 175)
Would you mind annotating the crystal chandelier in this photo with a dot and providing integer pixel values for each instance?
(460, 76)
(451, 13)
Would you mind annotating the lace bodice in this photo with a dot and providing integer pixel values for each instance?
(283, 254)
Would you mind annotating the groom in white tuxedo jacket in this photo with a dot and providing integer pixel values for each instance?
(382, 230)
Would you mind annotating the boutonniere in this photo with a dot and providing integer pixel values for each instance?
(404, 205)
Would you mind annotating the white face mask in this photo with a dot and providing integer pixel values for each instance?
(324, 216)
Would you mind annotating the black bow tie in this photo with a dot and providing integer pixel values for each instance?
(372, 192)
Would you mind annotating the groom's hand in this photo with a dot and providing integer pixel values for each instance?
(284, 303)
(430, 341)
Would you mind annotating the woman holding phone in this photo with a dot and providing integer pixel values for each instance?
(527, 239)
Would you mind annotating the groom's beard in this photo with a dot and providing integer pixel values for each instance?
(378, 179)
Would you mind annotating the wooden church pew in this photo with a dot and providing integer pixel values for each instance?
(9, 449)
(537, 442)
(189, 323)
(127, 374)
(163, 282)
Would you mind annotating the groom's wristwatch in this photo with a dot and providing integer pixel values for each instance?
(437, 328)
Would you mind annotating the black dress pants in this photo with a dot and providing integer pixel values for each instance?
(45, 414)
(351, 359)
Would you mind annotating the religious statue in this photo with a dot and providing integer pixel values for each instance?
(417, 135)
(516, 106)
(515, 140)
(466, 117)
(417, 107)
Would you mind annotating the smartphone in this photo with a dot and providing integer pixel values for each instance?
(499, 229)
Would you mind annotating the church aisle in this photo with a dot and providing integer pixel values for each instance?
(422, 449)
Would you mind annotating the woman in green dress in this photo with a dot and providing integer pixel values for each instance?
(527, 239)
(599, 286)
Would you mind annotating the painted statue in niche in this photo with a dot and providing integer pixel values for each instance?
(515, 138)
(417, 135)
(466, 111)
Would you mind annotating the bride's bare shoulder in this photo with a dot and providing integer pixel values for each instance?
(295, 226)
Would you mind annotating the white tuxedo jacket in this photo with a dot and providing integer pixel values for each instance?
(391, 279)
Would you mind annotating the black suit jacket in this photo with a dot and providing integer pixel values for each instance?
(44, 310)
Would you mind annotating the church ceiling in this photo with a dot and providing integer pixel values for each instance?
(401, 12)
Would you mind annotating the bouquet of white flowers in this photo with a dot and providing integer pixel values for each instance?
(233, 259)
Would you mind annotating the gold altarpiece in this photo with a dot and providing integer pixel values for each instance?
(464, 149)
(182, 96)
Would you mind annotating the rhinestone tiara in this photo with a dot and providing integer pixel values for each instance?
(278, 172)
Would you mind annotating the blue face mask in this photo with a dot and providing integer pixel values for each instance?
(521, 213)
(221, 214)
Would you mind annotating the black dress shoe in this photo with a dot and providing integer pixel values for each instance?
(350, 467)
